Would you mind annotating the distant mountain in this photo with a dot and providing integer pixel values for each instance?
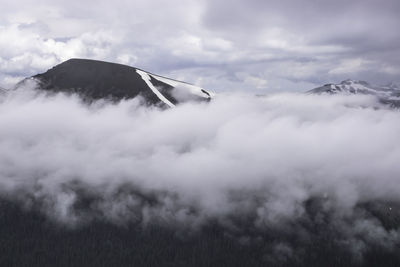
(93, 79)
(387, 94)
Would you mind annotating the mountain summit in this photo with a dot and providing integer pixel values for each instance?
(94, 79)
(388, 94)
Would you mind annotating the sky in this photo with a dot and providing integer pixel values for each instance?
(256, 46)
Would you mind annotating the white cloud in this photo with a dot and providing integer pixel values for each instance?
(253, 81)
(348, 66)
(237, 156)
(32, 53)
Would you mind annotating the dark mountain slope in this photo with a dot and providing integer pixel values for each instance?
(94, 79)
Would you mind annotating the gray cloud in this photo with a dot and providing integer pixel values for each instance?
(255, 45)
(280, 162)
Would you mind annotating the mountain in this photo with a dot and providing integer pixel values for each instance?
(387, 94)
(93, 79)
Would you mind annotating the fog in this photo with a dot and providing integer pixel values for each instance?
(251, 164)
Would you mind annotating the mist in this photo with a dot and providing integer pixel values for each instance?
(282, 163)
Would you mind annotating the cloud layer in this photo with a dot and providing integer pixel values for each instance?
(220, 45)
(286, 162)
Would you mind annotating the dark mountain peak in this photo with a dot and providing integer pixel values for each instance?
(93, 79)
(83, 62)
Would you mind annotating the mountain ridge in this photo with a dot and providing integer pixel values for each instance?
(387, 94)
(93, 79)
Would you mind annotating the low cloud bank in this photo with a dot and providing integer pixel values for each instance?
(300, 166)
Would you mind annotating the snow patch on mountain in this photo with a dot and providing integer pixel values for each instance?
(196, 90)
(181, 91)
(354, 87)
(146, 78)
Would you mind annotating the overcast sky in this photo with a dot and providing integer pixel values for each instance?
(223, 45)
